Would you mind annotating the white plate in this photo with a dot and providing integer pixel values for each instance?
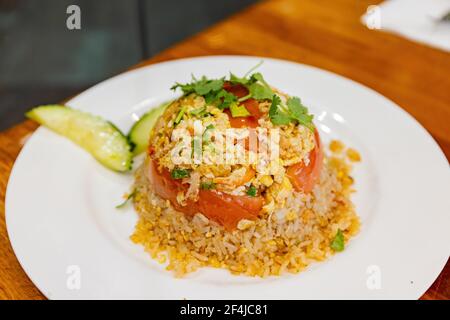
(63, 225)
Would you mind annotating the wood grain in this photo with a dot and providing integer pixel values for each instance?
(326, 34)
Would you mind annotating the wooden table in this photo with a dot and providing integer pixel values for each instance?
(326, 34)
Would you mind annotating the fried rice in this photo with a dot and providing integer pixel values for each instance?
(293, 228)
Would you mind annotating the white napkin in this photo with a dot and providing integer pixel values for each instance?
(417, 20)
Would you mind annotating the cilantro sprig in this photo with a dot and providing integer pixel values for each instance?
(280, 113)
(292, 111)
(202, 86)
(214, 93)
(257, 86)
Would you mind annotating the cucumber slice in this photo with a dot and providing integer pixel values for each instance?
(104, 141)
(140, 132)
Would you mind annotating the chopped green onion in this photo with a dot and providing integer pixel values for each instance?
(245, 97)
(207, 185)
(179, 115)
(129, 197)
(196, 148)
(338, 242)
(253, 68)
(200, 112)
(252, 191)
(206, 137)
(238, 110)
(179, 173)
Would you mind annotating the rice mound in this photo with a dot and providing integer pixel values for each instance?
(285, 239)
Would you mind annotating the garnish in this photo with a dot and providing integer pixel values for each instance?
(338, 242)
(259, 88)
(129, 197)
(206, 137)
(237, 80)
(196, 148)
(280, 113)
(179, 173)
(292, 111)
(300, 112)
(139, 132)
(179, 116)
(207, 185)
(224, 99)
(238, 110)
(244, 80)
(200, 112)
(201, 87)
(276, 113)
(98, 136)
(214, 93)
(251, 191)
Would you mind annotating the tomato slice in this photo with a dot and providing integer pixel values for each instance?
(168, 188)
(227, 209)
(223, 208)
(250, 104)
(237, 89)
(304, 177)
(251, 121)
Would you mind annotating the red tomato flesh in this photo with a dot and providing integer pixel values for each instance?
(304, 177)
(223, 208)
(250, 104)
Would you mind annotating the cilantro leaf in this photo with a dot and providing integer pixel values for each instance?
(276, 115)
(225, 99)
(293, 111)
(273, 110)
(281, 119)
(259, 88)
(260, 92)
(201, 87)
(186, 88)
(299, 112)
(259, 77)
(280, 113)
(237, 80)
(205, 86)
(210, 97)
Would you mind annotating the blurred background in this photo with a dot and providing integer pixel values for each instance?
(41, 61)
